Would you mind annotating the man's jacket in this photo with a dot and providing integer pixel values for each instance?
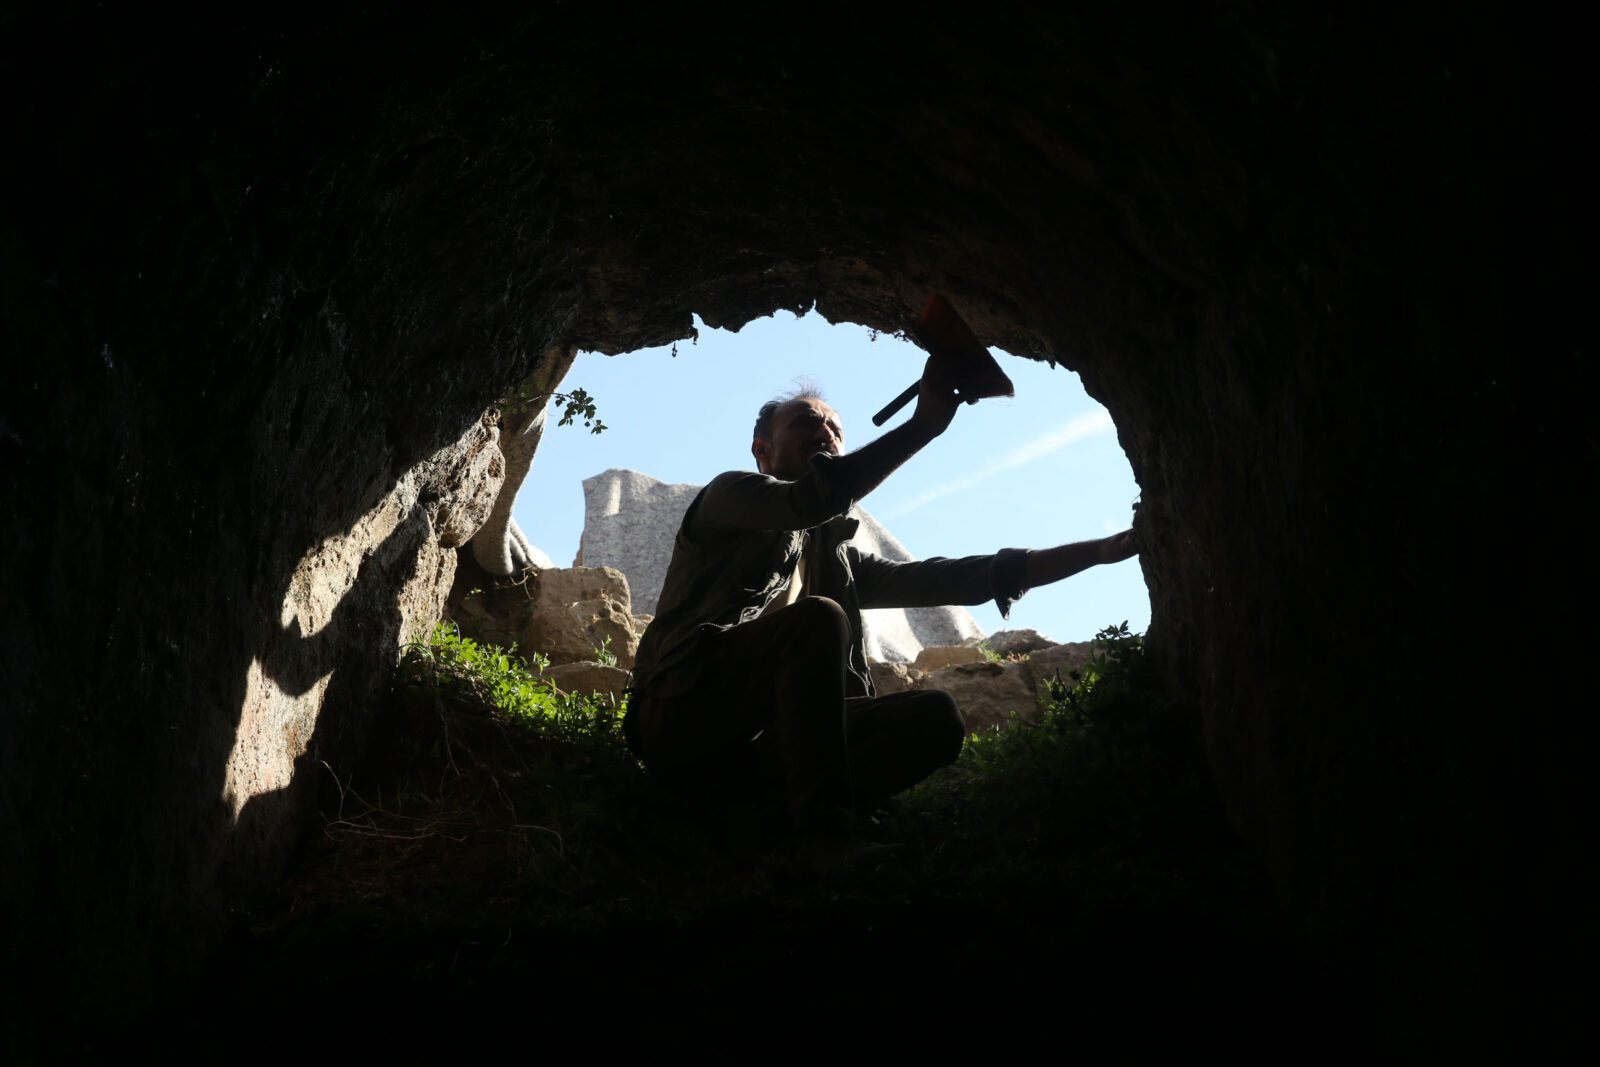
(736, 551)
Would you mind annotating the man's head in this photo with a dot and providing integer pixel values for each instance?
(791, 429)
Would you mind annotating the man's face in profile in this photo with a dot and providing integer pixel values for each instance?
(800, 429)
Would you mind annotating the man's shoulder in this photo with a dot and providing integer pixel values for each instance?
(737, 483)
(732, 477)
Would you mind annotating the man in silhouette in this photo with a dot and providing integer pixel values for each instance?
(751, 682)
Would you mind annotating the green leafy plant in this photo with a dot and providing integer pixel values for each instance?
(577, 404)
(988, 653)
(603, 654)
(450, 662)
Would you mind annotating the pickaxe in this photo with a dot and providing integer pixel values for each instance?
(949, 341)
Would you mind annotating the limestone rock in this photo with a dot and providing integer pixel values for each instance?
(572, 612)
(605, 628)
(587, 678)
(937, 656)
(536, 556)
(1044, 664)
(564, 613)
(1020, 642)
(571, 584)
(500, 547)
(987, 693)
(890, 677)
(631, 519)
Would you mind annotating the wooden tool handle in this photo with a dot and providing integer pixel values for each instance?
(897, 403)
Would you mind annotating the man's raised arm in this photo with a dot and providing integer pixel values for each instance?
(799, 497)
(860, 472)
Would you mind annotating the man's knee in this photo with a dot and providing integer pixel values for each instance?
(943, 724)
(822, 619)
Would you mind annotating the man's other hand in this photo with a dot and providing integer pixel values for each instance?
(1117, 547)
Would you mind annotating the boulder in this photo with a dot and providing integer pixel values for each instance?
(987, 693)
(937, 656)
(1044, 664)
(564, 613)
(590, 678)
(575, 611)
(631, 520)
(1016, 642)
(568, 585)
(604, 627)
(890, 678)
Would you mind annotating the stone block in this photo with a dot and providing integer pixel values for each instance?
(890, 677)
(590, 678)
(1016, 642)
(1044, 664)
(937, 656)
(987, 693)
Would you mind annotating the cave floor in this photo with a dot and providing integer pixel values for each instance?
(864, 954)
(474, 887)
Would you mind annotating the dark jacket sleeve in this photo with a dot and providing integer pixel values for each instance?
(745, 500)
(935, 582)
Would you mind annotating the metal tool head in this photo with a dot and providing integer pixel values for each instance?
(952, 343)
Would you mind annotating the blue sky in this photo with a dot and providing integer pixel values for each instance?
(1041, 469)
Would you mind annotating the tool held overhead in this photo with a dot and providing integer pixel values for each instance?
(949, 341)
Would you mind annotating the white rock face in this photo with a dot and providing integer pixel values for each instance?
(631, 519)
(499, 546)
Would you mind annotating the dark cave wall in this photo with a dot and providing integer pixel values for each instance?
(263, 282)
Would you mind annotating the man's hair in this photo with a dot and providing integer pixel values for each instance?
(805, 389)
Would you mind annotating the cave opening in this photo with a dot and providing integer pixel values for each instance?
(1285, 248)
(1041, 468)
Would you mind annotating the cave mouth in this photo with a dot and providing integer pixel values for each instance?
(317, 244)
(1035, 470)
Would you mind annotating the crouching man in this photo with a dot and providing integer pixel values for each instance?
(751, 683)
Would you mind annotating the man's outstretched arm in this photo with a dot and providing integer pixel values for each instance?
(1003, 577)
(1046, 565)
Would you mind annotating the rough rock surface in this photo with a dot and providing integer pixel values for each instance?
(563, 613)
(501, 547)
(587, 678)
(410, 537)
(934, 657)
(1018, 642)
(631, 519)
(892, 677)
(1060, 660)
(629, 522)
(988, 693)
(1326, 275)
